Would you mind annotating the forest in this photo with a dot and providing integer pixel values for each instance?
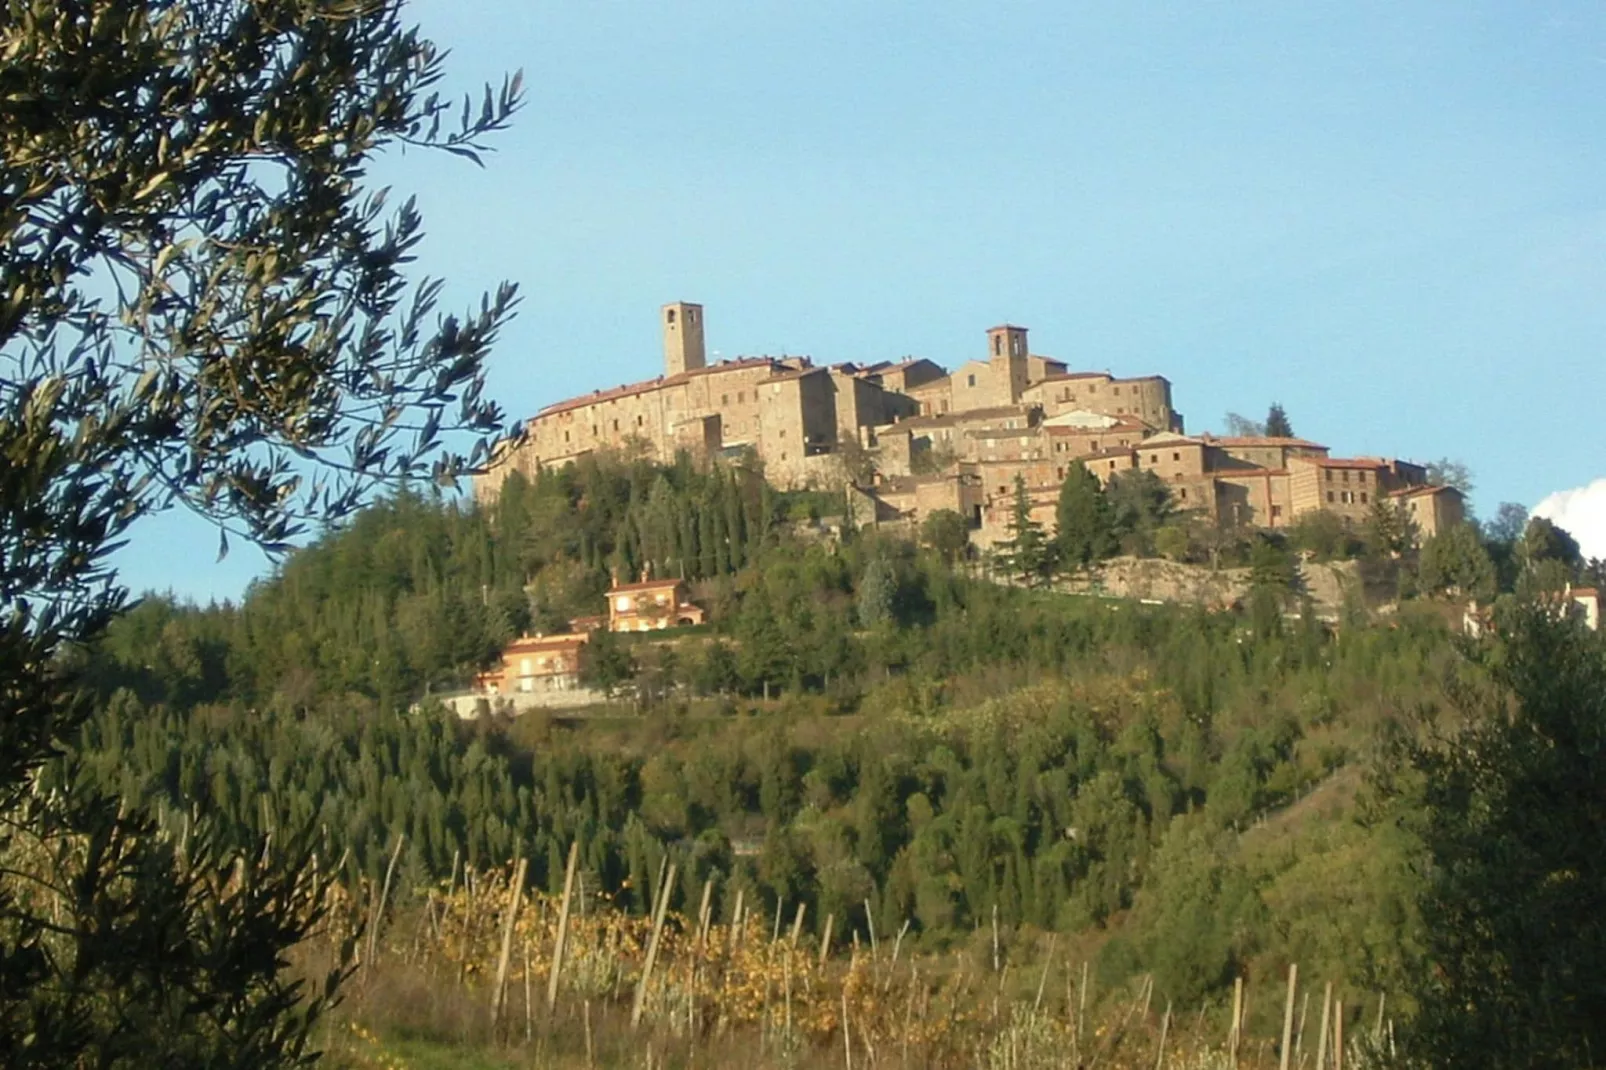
(869, 728)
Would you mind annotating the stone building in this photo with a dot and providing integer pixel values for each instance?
(1431, 509)
(956, 440)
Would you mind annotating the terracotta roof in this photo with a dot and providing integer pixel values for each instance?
(632, 389)
(989, 413)
(1072, 375)
(1002, 432)
(1260, 440)
(1412, 492)
(645, 585)
(1366, 463)
(536, 642)
(1105, 455)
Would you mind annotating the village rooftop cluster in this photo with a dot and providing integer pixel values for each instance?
(905, 438)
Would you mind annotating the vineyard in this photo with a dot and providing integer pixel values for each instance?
(479, 965)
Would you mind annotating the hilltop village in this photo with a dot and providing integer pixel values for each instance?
(907, 438)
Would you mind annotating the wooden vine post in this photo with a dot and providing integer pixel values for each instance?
(652, 947)
(563, 928)
(499, 996)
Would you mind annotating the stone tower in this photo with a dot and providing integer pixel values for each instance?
(683, 337)
(1007, 353)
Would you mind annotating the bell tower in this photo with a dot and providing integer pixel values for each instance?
(682, 324)
(1007, 353)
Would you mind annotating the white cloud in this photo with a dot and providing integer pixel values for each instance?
(1582, 512)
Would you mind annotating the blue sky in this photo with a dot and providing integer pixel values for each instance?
(1390, 217)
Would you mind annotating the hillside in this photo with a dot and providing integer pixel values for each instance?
(1176, 793)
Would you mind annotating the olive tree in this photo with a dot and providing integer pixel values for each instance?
(202, 304)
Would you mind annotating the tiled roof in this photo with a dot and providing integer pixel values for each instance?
(644, 585)
(1366, 463)
(1413, 492)
(540, 642)
(632, 389)
(1261, 440)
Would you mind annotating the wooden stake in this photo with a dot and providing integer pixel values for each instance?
(652, 947)
(1338, 1034)
(703, 918)
(1299, 1030)
(529, 1026)
(1237, 1019)
(737, 922)
(797, 924)
(590, 1054)
(499, 995)
(1288, 1016)
(1165, 1026)
(847, 1044)
(562, 938)
(1048, 962)
(1081, 1006)
(1321, 1040)
(384, 897)
(825, 940)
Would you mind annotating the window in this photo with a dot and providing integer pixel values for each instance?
(638, 421)
(565, 436)
(671, 317)
(1329, 479)
(1118, 391)
(1183, 494)
(1363, 497)
(616, 425)
(998, 347)
(1276, 511)
(1329, 497)
(1000, 488)
(1176, 456)
(970, 380)
(1060, 472)
(741, 396)
(1360, 477)
(783, 432)
(724, 399)
(1154, 458)
(1345, 476)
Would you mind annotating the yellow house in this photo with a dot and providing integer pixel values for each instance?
(650, 605)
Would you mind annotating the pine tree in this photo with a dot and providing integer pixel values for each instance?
(1085, 531)
(1027, 553)
(1277, 425)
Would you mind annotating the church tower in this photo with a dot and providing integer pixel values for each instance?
(1006, 356)
(683, 337)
